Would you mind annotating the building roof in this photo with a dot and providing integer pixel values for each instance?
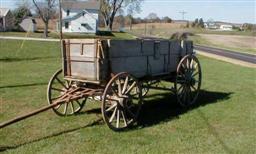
(4, 11)
(81, 5)
(68, 18)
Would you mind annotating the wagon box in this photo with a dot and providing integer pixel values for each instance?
(95, 60)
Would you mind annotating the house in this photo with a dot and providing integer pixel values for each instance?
(6, 20)
(80, 16)
(28, 25)
(226, 27)
(211, 25)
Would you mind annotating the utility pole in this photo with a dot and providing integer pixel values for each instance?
(183, 14)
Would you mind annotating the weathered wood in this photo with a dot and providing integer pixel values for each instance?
(95, 60)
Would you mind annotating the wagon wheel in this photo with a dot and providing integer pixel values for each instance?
(57, 87)
(188, 80)
(121, 102)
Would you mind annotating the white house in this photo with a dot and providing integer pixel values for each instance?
(80, 16)
(226, 27)
(6, 19)
(210, 25)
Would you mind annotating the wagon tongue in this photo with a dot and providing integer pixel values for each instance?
(25, 116)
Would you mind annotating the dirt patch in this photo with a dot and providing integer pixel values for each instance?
(231, 40)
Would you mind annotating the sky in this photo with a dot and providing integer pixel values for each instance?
(236, 11)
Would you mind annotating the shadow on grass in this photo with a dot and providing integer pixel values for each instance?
(23, 85)
(96, 122)
(158, 108)
(165, 108)
(25, 59)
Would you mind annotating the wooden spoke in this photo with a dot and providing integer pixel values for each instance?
(61, 83)
(72, 107)
(113, 90)
(119, 87)
(56, 89)
(193, 87)
(124, 118)
(65, 108)
(191, 64)
(181, 87)
(113, 115)
(195, 74)
(111, 107)
(131, 87)
(112, 99)
(125, 84)
(57, 107)
(117, 118)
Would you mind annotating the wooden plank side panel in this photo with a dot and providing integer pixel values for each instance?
(175, 47)
(156, 66)
(136, 66)
(81, 58)
(124, 48)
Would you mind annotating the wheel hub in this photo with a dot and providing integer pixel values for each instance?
(123, 100)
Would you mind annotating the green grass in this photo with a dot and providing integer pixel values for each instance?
(223, 121)
(100, 34)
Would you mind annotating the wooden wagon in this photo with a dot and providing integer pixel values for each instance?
(119, 73)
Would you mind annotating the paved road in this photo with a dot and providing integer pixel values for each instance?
(227, 53)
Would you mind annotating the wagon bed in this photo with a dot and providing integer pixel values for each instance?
(94, 60)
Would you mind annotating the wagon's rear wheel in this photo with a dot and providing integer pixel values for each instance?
(121, 101)
(57, 87)
(188, 80)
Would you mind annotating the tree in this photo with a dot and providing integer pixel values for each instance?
(109, 9)
(187, 24)
(196, 21)
(19, 14)
(167, 20)
(152, 17)
(248, 27)
(201, 23)
(46, 10)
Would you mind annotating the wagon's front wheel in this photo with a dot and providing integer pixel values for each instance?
(57, 87)
(188, 80)
(121, 101)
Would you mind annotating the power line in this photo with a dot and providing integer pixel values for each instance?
(183, 14)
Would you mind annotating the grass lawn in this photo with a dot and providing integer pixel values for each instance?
(101, 34)
(223, 121)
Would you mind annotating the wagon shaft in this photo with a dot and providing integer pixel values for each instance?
(70, 95)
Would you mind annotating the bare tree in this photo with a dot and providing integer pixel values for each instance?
(46, 10)
(109, 8)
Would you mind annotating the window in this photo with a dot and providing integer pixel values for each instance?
(68, 11)
(87, 26)
(66, 25)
